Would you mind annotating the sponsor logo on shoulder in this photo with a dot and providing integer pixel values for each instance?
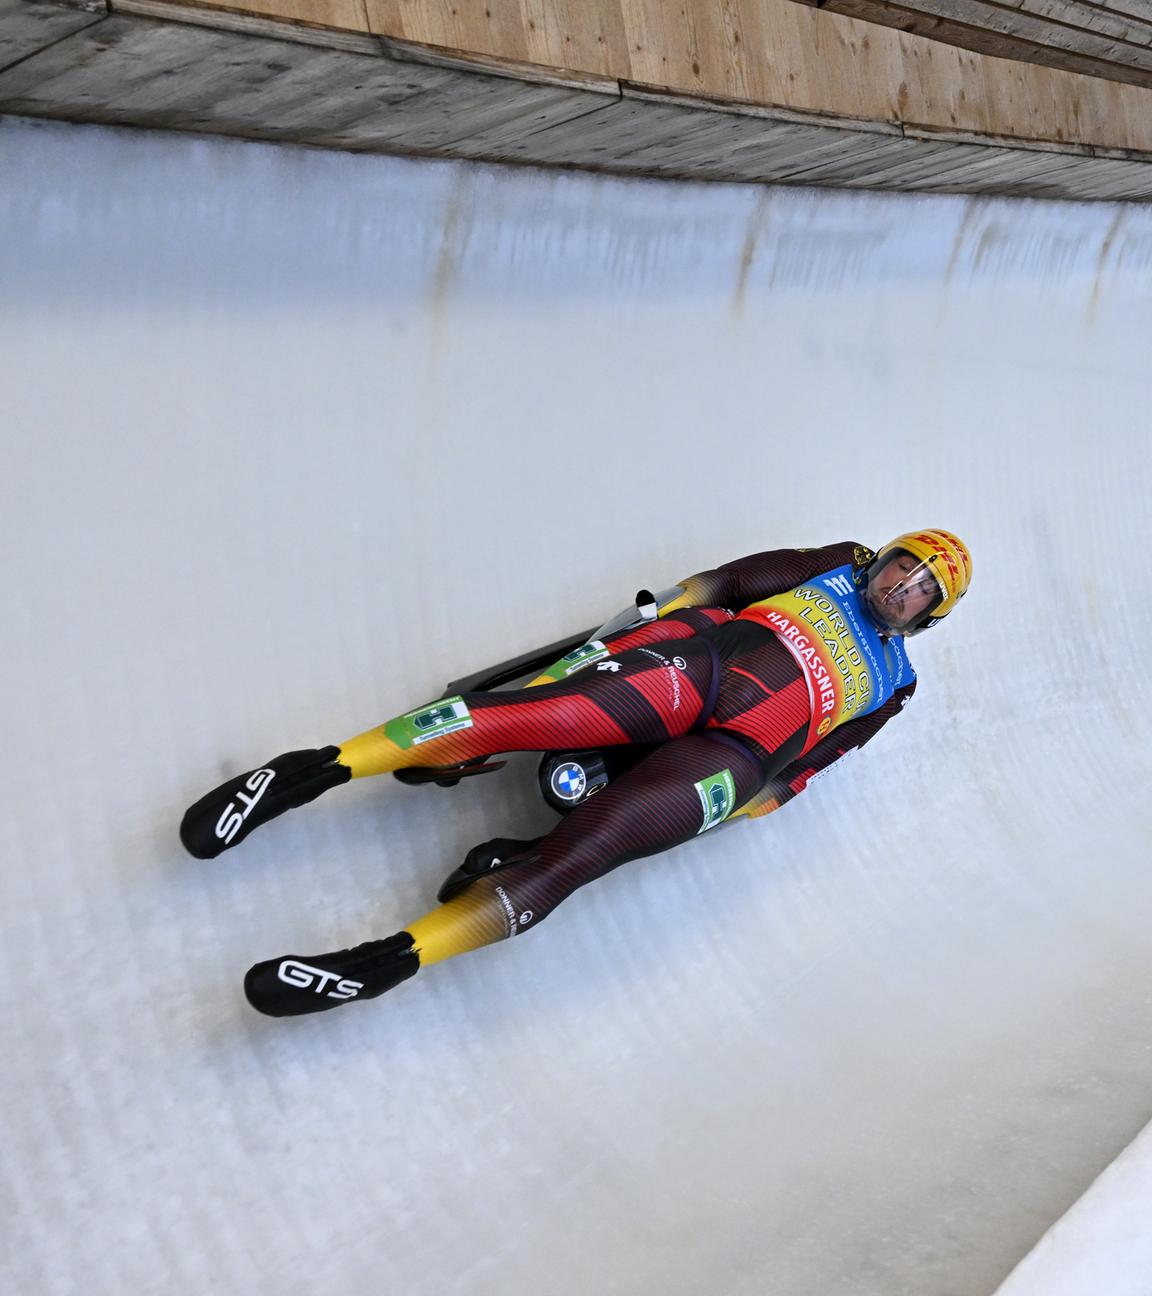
(839, 583)
(306, 977)
(232, 818)
(608, 666)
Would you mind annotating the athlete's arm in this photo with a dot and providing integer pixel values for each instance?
(759, 576)
(840, 743)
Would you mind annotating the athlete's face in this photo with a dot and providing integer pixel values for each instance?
(901, 591)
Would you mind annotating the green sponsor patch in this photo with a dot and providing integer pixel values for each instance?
(431, 721)
(576, 660)
(717, 799)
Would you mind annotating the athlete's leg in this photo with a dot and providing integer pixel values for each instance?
(684, 787)
(637, 686)
(644, 695)
(678, 625)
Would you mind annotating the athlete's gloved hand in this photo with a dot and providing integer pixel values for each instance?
(228, 814)
(489, 855)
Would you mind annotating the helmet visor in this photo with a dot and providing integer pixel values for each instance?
(902, 592)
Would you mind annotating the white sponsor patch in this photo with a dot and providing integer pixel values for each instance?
(231, 819)
(306, 977)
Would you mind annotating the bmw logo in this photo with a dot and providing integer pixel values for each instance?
(569, 781)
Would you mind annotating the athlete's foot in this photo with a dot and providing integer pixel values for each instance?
(489, 855)
(295, 984)
(228, 814)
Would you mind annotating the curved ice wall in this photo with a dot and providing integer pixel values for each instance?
(291, 439)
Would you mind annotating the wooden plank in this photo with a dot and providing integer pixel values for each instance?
(985, 169)
(624, 135)
(407, 51)
(937, 134)
(1028, 102)
(132, 70)
(788, 153)
(512, 136)
(333, 37)
(135, 70)
(834, 169)
(997, 31)
(1089, 16)
(627, 134)
(495, 27)
(1073, 16)
(338, 15)
(590, 37)
(691, 150)
(1022, 23)
(447, 119)
(30, 25)
(985, 165)
(1130, 8)
(771, 112)
(1000, 175)
(661, 140)
(1100, 181)
(914, 162)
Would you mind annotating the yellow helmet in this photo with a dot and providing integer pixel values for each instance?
(916, 580)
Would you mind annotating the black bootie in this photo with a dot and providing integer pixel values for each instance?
(294, 984)
(227, 814)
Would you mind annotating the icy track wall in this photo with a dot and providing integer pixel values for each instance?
(291, 439)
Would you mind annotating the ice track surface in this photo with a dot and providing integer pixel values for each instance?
(292, 438)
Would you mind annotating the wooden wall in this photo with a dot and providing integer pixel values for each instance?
(346, 84)
(772, 52)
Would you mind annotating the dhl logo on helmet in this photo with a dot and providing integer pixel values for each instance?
(942, 546)
(947, 556)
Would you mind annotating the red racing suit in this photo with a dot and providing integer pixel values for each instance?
(727, 703)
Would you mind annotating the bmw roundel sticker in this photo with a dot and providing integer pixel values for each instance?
(569, 781)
